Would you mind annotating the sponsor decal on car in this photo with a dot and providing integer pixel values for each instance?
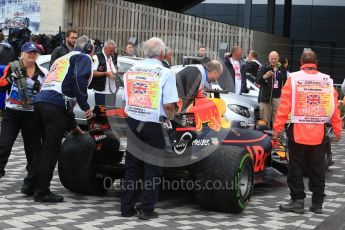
(203, 142)
(259, 157)
(181, 145)
(243, 124)
(215, 141)
(188, 120)
(206, 142)
(100, 137)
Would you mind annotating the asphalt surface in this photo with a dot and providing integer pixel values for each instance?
(177, 210)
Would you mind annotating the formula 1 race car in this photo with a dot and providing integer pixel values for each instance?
(222, 159)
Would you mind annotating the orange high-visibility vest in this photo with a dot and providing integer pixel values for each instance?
(308, 134)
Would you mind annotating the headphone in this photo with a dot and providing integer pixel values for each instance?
(88, 48)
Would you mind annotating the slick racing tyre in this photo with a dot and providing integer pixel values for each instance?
(75, 166)
(226, 180)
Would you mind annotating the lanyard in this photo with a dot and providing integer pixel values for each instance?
(110, 64)
(237, 68)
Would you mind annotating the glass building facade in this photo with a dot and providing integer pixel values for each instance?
(315, 24)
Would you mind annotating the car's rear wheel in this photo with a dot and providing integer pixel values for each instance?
(225, 180)
(76, 166)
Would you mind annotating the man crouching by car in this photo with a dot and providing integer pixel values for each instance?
(65, 85)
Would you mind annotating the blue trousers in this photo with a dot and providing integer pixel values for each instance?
(141, 178)
(99, 99)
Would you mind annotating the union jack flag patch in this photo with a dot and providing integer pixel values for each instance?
(139, 88)
(313, 99)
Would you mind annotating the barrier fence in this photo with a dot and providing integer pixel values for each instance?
(119, 20)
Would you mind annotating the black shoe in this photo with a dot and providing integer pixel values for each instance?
(132, 212)
(147, 215)
(2, 173)
(50, 197)
(316, 208)
(296, 206)
(27, 189)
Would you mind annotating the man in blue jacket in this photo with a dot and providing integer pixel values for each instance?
(65, 85)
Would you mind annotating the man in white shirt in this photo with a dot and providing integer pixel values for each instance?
(104, 72)
(237, 69)
(150, 95)
(234, 77)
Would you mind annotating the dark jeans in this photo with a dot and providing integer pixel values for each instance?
(309, 159)
(53, 123)
(14, 121)
(99, 99)
(105, 99)
(136, 170)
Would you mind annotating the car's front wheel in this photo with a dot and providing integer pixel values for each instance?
(226, 180)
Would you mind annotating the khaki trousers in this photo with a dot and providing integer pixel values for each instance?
(268, 111)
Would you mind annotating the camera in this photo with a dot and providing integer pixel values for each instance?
(18, 74)
(270, 68)
(36, 87)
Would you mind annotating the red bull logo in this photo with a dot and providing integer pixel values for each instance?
(210, 111)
